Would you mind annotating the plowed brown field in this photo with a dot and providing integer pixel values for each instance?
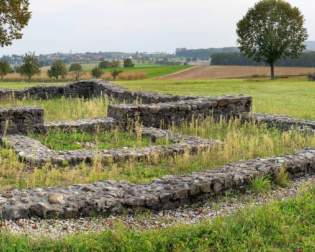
(218, 72)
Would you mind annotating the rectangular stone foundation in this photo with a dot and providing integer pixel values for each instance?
(174, 113)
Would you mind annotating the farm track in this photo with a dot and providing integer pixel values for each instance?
(220, 72)
(192, 214)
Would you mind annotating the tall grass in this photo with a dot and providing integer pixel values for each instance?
(240, 142)
(64, 109)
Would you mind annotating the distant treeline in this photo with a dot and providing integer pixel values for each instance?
(202, 54)
(307, 59)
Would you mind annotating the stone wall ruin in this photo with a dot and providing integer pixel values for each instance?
(153, 111)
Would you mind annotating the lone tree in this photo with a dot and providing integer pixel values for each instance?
(30, 66)
(77, 69)
(14, 16)
(270, 31)
(97, 72)
(57, 69)
(5, 68)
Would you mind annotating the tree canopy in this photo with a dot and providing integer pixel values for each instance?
(270, 31)
(57, 69)
(14, 16)
(30, 66)
(5, 68)
(77, 69)
(128, 63)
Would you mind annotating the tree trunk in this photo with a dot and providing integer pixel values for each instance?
(272, 70)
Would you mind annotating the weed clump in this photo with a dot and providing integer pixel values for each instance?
(261, 185)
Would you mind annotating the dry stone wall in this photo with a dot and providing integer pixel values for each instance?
(280, 122)
(84, 125)
(156, 109)
(34, 153)
(90, 89)
(20, 120)
(175, 113)
(109, 197)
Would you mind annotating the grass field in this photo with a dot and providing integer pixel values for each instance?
(292, 96)
(150, 70)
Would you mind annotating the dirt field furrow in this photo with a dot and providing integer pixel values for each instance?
(218, 72)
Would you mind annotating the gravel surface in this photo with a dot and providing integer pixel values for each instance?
(185, 215)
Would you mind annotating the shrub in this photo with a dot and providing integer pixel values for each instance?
(97, 72)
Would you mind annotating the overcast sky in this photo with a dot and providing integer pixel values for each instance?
(136, 25)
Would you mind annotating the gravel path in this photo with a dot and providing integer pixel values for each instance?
(185, 215)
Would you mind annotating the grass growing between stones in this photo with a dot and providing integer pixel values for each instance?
(261, 185)
(60, 140)
(279, 226)
(64, 109)
(240, 142)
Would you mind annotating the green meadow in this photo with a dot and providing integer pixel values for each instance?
(150, 70)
